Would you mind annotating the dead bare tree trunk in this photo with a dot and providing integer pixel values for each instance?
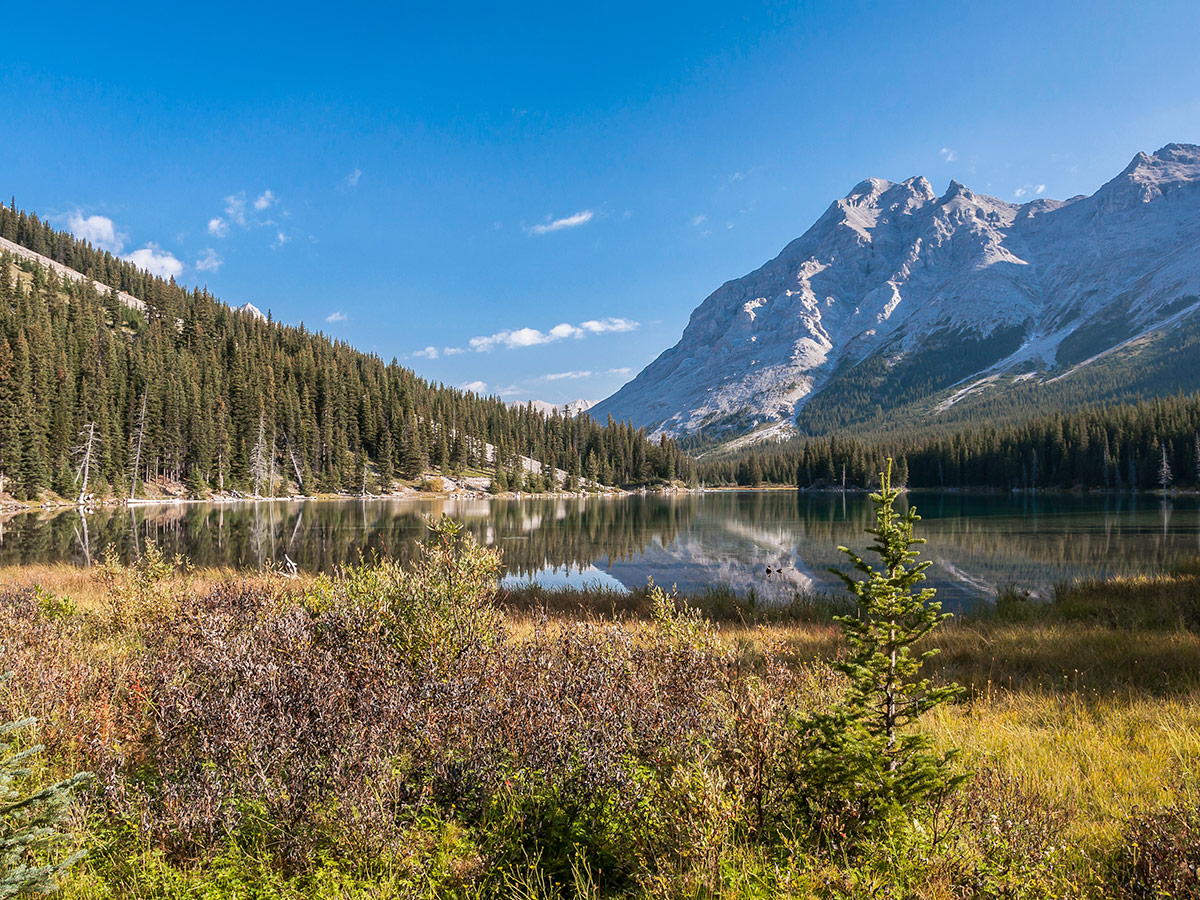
(258, 464)
(85, 467)
(137, 453)
(295, 465)
(273, 471)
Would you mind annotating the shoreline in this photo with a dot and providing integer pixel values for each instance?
(410, 494)
(17, 506)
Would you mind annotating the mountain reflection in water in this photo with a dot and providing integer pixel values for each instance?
(771, 542)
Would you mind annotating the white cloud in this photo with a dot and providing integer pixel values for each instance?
(522, 337)
(218, 227)
(353, 177)
(599, 326)
(531, 337)
(264, 200)
(99, 231)
(1040, 189)
(427, 353)
(477, 387)
(209, 262)
(580, 218)
(453, 351)
(280, 240)
(582, 373)
(336, 317)
(949, 155)
(557, 333)
(699, 220)
(156, 261)
(563, 376)
(235, 207)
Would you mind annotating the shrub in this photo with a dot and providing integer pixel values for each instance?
(1160, 853)
(433, 612)
(141, 590)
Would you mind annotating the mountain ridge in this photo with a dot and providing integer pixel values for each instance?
(897, 295)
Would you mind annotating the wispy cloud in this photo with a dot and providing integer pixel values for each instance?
(99, 231)
(511, 339)
(699, 220)
(265, 200)
(580, 218)
(1027, 189)
(156, 261)
(564, 376)
(428, 353)
(336, 317)
(949, 155)
(218, 227)
(599, 326)
(477, 387)
(209, 262)
(280, 240)
(353, 178)
(580, 374)
(235, 208)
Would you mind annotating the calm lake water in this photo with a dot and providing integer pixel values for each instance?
(977, 543)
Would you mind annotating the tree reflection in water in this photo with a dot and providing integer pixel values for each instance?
(771, 542)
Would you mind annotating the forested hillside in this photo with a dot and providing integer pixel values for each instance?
(1138, 446)
(192, 391)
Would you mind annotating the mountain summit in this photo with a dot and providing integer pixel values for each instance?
(896, 296)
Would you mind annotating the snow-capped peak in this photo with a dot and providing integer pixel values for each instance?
(251, 309)
(954, 285)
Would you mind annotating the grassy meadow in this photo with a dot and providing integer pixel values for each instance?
(415, 733)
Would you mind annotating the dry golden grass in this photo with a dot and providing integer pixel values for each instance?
(1096, 758)
(87, 591)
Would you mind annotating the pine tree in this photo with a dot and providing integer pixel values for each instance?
(860, 761)
(387, 472)
(499, 483)
(31, 823)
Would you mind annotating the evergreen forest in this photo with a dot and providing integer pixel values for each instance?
(1149, 445)
(187, 390)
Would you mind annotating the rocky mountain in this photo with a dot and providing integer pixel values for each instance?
(899, 298)
(571, 408)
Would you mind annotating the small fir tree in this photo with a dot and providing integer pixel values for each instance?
(31, 823)
(1165, 475)
(860, 764)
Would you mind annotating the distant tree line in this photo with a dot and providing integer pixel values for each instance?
(1141, 446)
(191, 390)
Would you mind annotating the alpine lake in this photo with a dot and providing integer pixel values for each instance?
(773, 543)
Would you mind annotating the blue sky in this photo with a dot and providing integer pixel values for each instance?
(549, 190)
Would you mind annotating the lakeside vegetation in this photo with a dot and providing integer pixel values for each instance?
(409, 731)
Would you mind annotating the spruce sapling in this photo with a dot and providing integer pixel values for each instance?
(860, 764)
